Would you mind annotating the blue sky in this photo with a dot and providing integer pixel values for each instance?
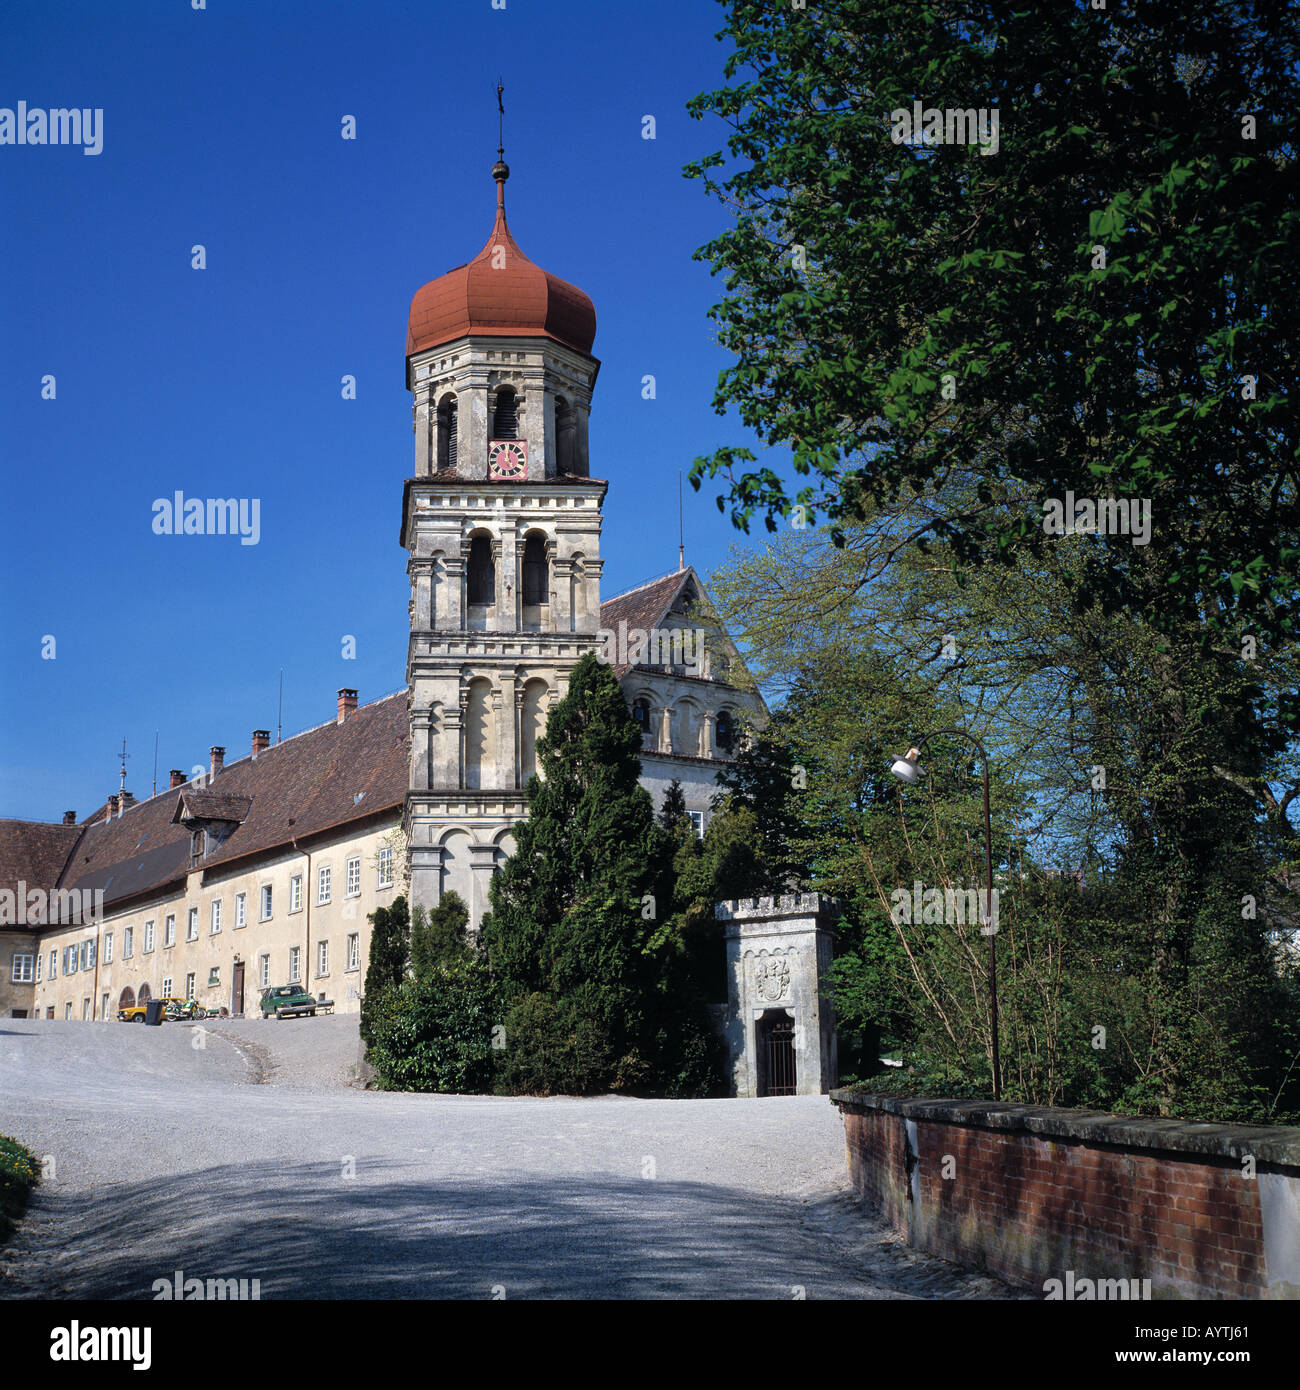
(222, 128)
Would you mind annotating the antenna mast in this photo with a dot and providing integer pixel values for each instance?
(681, 526)
(279, 712)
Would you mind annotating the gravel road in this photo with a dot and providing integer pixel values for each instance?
(237, 1149)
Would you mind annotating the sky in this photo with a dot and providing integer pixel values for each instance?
(222, 128)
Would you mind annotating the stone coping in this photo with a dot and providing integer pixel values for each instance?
(1273, 1144)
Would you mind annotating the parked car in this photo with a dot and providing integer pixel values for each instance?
(173, 1006)
(284, 1001)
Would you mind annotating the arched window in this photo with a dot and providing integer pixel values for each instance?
(505, 419)
(482, 571)
(536, 588)
(724, 731)
(565, 426)
(480, 741)
(144, 996)
(641, 713)
(447, 433)
(126, 999)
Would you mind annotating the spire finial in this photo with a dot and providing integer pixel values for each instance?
(501, 170)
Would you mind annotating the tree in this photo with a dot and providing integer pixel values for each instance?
(673, 811)
(440, 938)
(390, 957)
(573, 936)
(1102, 307)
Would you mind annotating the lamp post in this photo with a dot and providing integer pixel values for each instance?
(907, 769)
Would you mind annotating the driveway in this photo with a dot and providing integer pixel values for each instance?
(238, 1150)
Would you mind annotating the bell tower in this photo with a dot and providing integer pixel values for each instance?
(501, 521)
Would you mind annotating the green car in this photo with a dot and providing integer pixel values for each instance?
(285, 1001)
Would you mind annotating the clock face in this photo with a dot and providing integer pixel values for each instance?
(507, 458)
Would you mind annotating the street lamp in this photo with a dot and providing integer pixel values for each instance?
(907, 769)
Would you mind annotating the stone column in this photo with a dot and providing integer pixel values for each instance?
(543, 465)
(709, 747)
(562, 594)
(447, 759)
(482, 861)
(421, 749)
(475, 425)
(425, 863)
(425, 462)
(666, 729)
(503, 714)
(453, 606)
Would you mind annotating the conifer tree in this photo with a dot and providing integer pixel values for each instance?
(390, 954)
(438, 937)
(574, 934)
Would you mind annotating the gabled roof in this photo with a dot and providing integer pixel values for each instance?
(315, 781)
(646, 606)
(199, 805)
(34, 853)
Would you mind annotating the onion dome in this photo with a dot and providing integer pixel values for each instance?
(500, 293)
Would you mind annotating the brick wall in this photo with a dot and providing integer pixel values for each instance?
(1032, 1193)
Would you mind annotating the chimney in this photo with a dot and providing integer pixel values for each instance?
(69, 818)
(177, 779)
(261, 741)
(218, 761)
(347, 704)
(125, 802)
(112, 808)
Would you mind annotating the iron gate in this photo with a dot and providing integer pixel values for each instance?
(776, 1055)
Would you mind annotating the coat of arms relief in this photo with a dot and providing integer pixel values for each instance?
(772, 978)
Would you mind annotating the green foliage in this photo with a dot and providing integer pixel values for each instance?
(20, 1171)
(440, 937)
(435, 1032)
(1148, 938)
(672, 814)
(1124, 132)
(593, 982)
(390, 957)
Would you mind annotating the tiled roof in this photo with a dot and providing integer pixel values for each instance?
(34, 852)
(197, 805)
(644, 607)
(315, 781)
(500, 293)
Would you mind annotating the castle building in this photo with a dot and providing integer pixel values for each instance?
(265, 870)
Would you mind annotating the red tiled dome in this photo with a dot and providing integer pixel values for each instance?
(511, 298)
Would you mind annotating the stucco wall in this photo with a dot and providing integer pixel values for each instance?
(304, 928)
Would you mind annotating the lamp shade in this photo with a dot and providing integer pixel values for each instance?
(905, 767)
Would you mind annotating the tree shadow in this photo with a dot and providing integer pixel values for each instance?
(305, 1231)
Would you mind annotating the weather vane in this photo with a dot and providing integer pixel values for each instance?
(501, 122)
(124, 755)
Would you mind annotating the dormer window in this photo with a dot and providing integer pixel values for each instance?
(505, 419)
(198, 846)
